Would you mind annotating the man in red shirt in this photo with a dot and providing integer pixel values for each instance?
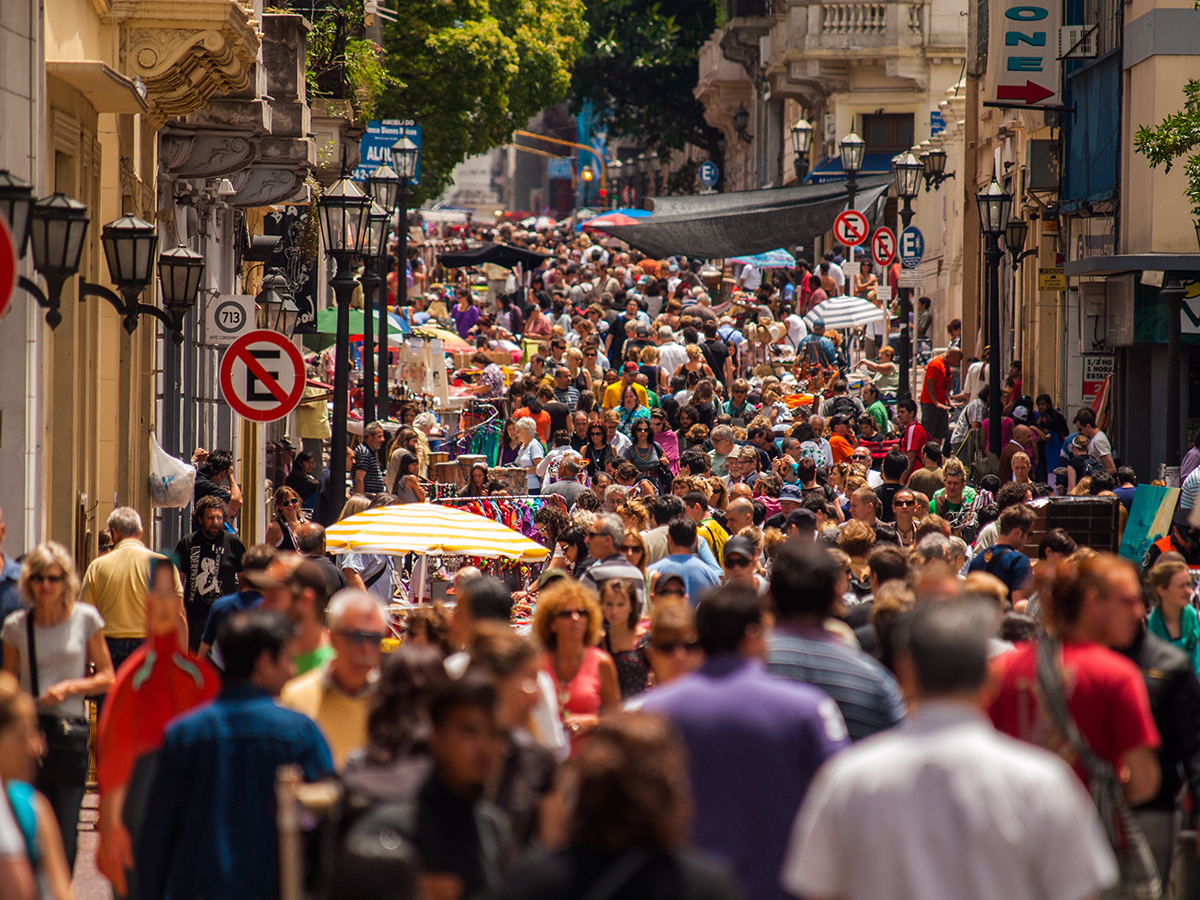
(1088, 608)
(913, 439)
(935, 393)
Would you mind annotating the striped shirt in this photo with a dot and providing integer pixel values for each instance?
(868, 697)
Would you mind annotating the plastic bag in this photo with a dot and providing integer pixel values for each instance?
(172, 481)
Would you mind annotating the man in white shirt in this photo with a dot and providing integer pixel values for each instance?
(749, 278)
(950, 808)
(836, 273)
(671, 355)
(1098, 446)
(797, 329)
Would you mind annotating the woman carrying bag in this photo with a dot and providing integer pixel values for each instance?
(62, 639)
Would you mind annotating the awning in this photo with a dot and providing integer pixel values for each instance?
(830, 168)
(500, 254)
(743, 223)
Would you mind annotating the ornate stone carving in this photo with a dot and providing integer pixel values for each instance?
(210, 151)
(267, 184)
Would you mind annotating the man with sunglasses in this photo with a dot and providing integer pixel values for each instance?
(604, 538)
(337, 695)
(1182, 539)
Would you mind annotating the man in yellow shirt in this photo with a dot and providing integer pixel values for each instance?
(337, 695)
(615, 391)
(116, 584)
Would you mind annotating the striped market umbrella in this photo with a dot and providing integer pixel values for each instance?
(845, 312)
(450, 340)
(429, 528)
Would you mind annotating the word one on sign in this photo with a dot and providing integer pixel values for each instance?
(851, 228)
(1029, 71)
(262, 376)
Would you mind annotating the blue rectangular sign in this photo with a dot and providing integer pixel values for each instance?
(560, 167)
(376, 146)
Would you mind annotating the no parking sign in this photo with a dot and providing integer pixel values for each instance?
(262, 376)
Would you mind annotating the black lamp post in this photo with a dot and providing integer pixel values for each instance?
(277, 311)
(1173, 293)
(852, 148)
(373, 254)
(906, 171)
(642, 167)
(934, 161)
(16, 203)
(384, 188)
(741, 122)
(1015, 235)
(656, 166)
(57, 227)
(405, 157)
(344, 211)
(614, 174)
(802, 135)
(994, 204)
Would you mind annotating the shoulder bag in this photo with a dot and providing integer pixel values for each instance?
(1139, 873)
(66, 759)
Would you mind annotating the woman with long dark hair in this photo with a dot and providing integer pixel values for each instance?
(477, 480)
(643, 452)
(510, 443)
(572, 541)
(407, 486)
(598, 451)
(625, 635)
(288, 518)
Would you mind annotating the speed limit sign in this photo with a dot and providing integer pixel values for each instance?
(227, 317)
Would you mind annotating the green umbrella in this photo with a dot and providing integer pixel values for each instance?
(326, 326)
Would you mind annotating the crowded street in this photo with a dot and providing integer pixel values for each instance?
(599, 450)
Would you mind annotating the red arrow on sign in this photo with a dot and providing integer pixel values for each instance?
(242, 395)
(1030, 92)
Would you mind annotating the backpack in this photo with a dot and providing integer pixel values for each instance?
(843, 406)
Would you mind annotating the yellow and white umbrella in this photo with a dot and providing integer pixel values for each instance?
(429, 528)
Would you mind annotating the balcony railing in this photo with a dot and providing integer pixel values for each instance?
(877, 23)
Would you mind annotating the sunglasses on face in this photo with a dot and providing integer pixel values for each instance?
(671, 647)
(363, 637)
(903, 503)
(291, 502)
(630, 548)
(572, 614)
(736, 563)
(47, 579)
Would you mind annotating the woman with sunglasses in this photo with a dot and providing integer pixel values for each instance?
(568, 623)
(626, 634)
(904, 508)
(572, 541)
(631, 410)
(281, 533)
(599, 451)
(633, 548)
(665, 438)
(68, 639)
(643, 452)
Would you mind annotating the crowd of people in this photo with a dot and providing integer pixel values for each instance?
(777, 648)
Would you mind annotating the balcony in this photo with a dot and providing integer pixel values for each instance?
(857, 25)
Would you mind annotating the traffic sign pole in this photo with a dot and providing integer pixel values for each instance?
(911, 249)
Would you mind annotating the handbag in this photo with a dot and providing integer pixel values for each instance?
(1139, 873)
(67, 754)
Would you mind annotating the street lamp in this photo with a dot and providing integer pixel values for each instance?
(1173, 294)
(852, 149)
(344, 210)
(934, 160)
(802, 135)
(656, 168)
(614, 169)
(406, 157)
(16, 203)
(906, 171)
(57, 227)
(1015, 235)
(180, 272)
(384, 187)
(375, 254)
(642, 166)
(276, 311)
(741, 122)
(994, 204)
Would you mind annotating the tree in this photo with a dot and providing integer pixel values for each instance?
(639, 70)
(473, 71)
(1178, 135)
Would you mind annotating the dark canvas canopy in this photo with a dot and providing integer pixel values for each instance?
(500, 254)
(742, 223)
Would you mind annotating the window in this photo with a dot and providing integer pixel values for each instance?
(888, 133)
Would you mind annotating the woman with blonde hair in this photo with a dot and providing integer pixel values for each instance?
(50, 644)
(886, 373)
(568, 623)
(1173, 618)
(22, 745)
(655, 374)
(355, 504)
(289, 516)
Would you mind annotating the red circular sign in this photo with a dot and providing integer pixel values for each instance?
(883, 246)
(8, 265)
(262, 376)
(851, 228)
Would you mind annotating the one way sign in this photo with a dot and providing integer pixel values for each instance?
(262, 376)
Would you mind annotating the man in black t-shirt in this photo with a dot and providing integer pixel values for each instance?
(208, 560)
(895, 464)
(716, 353)
(560, 413)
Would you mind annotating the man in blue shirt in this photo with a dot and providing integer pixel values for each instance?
(754, 741)
(698, 576)
(816, 348)
(1004, 559)
(209, 830)
(804, 588)
(10, 575)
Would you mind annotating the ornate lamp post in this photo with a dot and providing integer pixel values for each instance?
(344, 212)
(852, 149)
(57, 227)
(994, 205)
(802, 135)
(906, 171)
(405, 158)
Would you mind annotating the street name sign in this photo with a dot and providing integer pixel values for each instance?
(262, 376)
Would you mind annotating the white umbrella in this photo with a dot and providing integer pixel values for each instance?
(845, 312)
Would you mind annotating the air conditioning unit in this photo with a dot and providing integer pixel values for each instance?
(1077, 41)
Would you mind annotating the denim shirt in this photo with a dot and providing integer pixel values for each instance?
(10, 591)
(209, 831)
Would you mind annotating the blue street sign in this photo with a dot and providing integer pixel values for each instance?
(937, 123)
(912, 247)
(376, 146)
(560, 167)
(709, 173)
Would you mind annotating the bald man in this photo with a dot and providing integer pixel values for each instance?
(740, 514)
(1021, 437)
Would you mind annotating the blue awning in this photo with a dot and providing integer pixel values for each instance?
(830, 168)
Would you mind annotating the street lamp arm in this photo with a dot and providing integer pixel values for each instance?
(31, 288)
(130, 309)
(591, 150)
(87, 289)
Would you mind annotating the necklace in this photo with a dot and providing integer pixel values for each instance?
(906, 538)
(640, 453)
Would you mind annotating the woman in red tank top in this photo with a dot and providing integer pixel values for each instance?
(568, 622)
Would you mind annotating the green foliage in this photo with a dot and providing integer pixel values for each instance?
(339, 64)
(640, 66)
(1177, 135)
(473, 71)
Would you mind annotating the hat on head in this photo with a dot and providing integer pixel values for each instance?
(1181, 519)
(792, 493)
(665, 580)
(818, 323)
(629, 367)
(739, 546)
(839, 420)
(804, 519)
(1020, 414)
(643, 331)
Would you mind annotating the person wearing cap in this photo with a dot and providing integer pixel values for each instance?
(842, 440)
(741, 564)
(615, 392)
(815, 348)
(1183, 538)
